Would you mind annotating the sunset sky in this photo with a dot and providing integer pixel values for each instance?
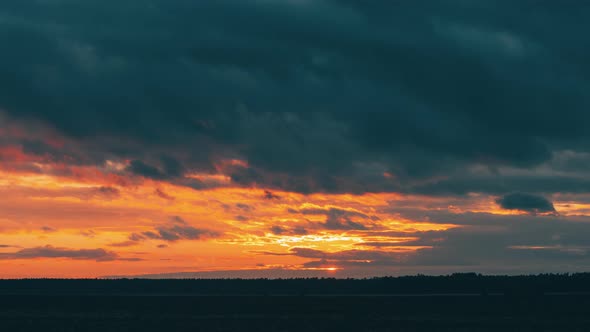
(290, 138)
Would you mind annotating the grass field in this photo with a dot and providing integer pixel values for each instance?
(294, 313)
(295, 305)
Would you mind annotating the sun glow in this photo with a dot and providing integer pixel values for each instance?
(147, 226)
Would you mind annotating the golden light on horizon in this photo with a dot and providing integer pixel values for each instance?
(148, 226)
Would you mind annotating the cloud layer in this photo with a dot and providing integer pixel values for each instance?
(324, 95)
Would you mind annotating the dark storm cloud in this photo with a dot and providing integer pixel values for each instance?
(99, 255)
(175, 230)
(318, 96)
(526, 202)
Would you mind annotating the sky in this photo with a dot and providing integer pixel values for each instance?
(290, 138)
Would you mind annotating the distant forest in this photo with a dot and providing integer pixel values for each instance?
(460, 283)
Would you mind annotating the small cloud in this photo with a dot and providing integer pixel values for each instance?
(270, 195)
(48, 229)
(108, 191)
(136, 237)
(178, 220)
(99, 255)
(277, 230)
(297, 230)
(244, 207)
(176, 229)
(88, 233)
(530, 203)
(160, 193)
(123, 244)
(338, 219)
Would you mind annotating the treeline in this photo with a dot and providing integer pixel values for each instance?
(461, 283)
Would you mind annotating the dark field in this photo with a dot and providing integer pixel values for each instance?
(266, 305)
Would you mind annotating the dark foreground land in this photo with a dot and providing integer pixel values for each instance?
(454, 303)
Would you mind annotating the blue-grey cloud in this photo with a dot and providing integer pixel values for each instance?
(526, 202)
(318, 96)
